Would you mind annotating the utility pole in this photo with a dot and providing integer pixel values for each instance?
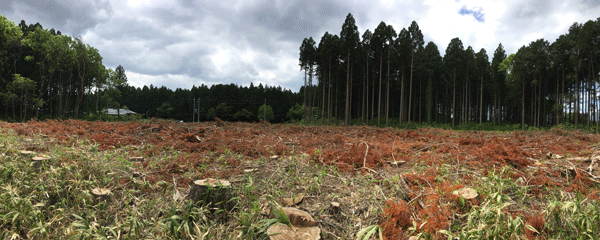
(194, 110)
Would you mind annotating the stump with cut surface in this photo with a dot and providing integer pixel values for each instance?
(213, 193)
(466, 193)
(101, 194)
(280, 231)
(334, 208)
(303, 226)
(38, 161)
(295, 200)
(26, 153)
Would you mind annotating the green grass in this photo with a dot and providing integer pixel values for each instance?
(56, 201)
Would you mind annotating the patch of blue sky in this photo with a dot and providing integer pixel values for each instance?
(475, 12)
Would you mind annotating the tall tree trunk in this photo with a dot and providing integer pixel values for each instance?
(347, 90)
(329, 100)
(481, 100)
(336, 116)
(310, 89)
(401, 115)
(562, 92)
(577, 98)
(13, 110)
(494, 107)
(420, 100)
(589, 92)
(304, 104)
(464, 100)
(557, 100)
(365, 100)
(429, 105)
(351, 93)
(323, 98)
(453, 97)
(539, 105)
(410, 87)
(523, 104)
(387, 95)
(373, 99)
(82, 76)
(595, 97)
(379, 95)
(533, 107)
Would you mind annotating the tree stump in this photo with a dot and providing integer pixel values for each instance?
(101, 194)
(280, 231)
(303, 227)
(334, 208)
(38, 161)
(213, 193)
(26, 153)
(295, 200)
(466, 193)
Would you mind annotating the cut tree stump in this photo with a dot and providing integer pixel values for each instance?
(295, 200)
(297, 217)
(216, 194)
(280, 231)
(303, 226)
(26, 153)
(466, 193)
(38, 161)
(334, 208)
(101, 194)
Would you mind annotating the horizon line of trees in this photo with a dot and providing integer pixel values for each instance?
(228, 102)
(373, 78)
(387, 74)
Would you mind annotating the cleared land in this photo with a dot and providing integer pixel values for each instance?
(528, 184)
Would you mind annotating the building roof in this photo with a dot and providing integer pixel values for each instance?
(121, 111)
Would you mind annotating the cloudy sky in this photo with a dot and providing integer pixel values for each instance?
(181, 43)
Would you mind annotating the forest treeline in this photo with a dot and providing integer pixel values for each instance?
(381, 77)
(45, 74)
(384, 75)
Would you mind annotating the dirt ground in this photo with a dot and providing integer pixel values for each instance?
(541, 160)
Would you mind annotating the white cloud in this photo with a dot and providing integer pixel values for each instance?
(443, 22)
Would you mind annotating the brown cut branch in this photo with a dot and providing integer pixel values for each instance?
(366, 153)
(584, 159)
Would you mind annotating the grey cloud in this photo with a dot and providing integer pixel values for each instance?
(68, 17)
(299, 19)
(586, 4)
